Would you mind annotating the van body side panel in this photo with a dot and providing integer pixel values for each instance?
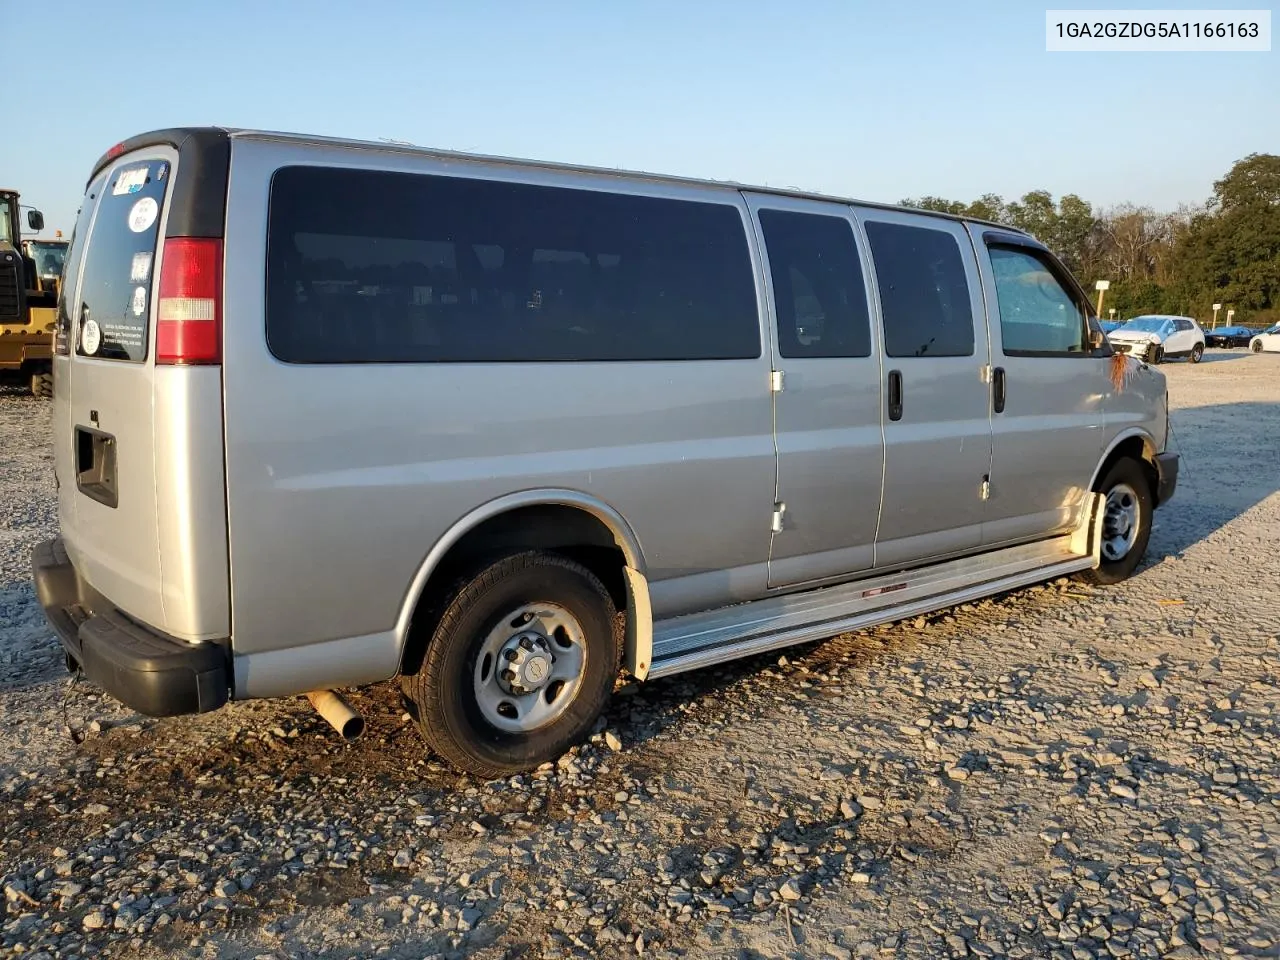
(1047, 441)
(1139, 408)
(341, 476)
(934, 335)
(829, 434)
(191, 502)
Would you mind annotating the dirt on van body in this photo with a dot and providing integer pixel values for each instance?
(1060, 772)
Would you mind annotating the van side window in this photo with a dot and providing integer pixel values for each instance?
(817, 285)
(924, 297)
(1038, 316)
(374, 266)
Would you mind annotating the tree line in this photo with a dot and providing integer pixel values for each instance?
(1226, 250)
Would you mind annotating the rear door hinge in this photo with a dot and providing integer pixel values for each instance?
(775, 381)
(984, 372)
(984, 491)
(778, 510)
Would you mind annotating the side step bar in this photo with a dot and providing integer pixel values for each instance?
(716, 636)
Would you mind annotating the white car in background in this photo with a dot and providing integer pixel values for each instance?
(1157, 337)
(1268, 340)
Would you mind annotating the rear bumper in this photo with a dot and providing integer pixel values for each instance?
(157, 675)
(1166, 476)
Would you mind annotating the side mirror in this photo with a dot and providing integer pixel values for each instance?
(35, 220)
(1097, 339)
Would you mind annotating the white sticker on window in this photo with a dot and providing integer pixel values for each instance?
(130, 181)
(90, 337)
(139, 300)
(141, 268)
(143, 214)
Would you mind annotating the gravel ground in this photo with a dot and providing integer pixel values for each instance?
(1061, 772)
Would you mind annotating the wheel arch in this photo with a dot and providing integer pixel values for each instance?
(1132, 442)
(580, 525)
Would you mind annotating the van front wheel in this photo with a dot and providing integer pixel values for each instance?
(521, 664)
(1126, 522)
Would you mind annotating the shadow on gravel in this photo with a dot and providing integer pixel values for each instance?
(1214, 355)
(1213, 490)
(30, 655)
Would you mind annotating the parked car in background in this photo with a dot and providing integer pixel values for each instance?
(1236, 336)
(1268, 340)
(1156, 337)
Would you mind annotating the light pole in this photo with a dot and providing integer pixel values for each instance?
(1112, 312)
(1102, 286)
(1230, 314)
(1216, 308)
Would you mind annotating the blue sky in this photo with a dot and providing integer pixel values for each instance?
(870, 99)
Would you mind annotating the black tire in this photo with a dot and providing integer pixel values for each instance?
(1256, 346)
(1134, 475)
(42, 385)
(1197, 352)
(443, 693)
(1155, 354)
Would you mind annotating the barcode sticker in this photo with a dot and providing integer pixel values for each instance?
(130, 181)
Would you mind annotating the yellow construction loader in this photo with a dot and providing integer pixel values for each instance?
(28, 299)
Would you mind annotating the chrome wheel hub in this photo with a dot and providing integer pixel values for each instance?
(525, 664)
(1120, 522)
(530, 667)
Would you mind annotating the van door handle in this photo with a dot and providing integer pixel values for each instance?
(895, 394)
(999, 388)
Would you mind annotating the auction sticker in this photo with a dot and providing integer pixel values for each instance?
(130, 181)
(90, 337)
(143, 214)
(140, 268)
(139, 300)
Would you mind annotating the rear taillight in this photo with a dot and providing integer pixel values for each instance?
(189, 311)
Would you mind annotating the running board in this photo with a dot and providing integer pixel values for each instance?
(716, 636)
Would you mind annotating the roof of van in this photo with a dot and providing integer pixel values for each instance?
(177, 136)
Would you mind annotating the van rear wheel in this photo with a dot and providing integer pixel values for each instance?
(1126, 522)
(42, 385)
(519, 667)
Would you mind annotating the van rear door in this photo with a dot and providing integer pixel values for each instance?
(114, 538)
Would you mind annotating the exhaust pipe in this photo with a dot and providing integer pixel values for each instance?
(337, 712)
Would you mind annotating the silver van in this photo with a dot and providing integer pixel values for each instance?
(330, 413)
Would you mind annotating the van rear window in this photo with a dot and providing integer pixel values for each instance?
(115, 293)
(372, 266)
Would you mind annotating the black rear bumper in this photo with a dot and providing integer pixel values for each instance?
(1166, 476)
(155, 674)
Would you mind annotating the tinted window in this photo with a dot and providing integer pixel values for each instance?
(817, 285)
(1037, 314)
(374, 266)
(115, 292)
(924, 297)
